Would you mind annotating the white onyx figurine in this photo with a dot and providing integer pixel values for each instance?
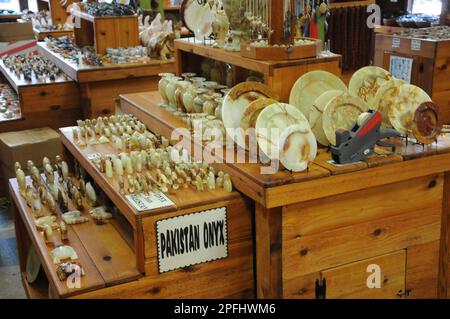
(90, 194)
(74, 217)
(108, 168)
(100, 213)
(63, 253)
(21, 181)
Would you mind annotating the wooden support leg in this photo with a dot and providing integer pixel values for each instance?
(268, 253)
(445, 238)
(21, 236)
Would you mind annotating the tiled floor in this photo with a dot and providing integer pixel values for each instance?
(10, 283)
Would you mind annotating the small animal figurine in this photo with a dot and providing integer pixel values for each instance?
(63, 253)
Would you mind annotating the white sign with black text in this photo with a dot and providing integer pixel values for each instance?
(192, 239)
(151, 201)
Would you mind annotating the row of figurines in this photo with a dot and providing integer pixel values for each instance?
(191, 94)
(46, 196)
(30, 64)
(148, 159)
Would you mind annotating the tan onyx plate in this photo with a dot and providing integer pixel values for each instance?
(427, 123)
(310, 86)
(403, 106)
(236, 102)
(251, 113)
(197, 18)
(341, 112)
(366, 82)
(383, 103)
(316, 115)
(298, 147)
(271, 123)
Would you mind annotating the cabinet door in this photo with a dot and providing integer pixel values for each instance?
(351, 281)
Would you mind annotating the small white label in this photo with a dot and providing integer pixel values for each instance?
(93, 156)
(192, 239)
(148, 202)
(416, 45)
(341, 165)
(395, 42)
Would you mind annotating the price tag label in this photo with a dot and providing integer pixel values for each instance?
(416, 45)
(152, 201)
(395, 42)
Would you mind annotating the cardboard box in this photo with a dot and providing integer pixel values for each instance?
(23, 146)
(29, 145)
(17, 38)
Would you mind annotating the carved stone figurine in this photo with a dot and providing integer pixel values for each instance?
(21, 181)
(63, 253)
(63, 231)
(90, 194)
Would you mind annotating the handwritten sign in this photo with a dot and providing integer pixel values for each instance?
(192, 239)
(143, 202)
(416, 45)
(395, 42)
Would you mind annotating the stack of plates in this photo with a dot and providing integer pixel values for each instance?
(239, 102)
(284, 134)
(312, 85)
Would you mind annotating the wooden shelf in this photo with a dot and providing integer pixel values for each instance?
(18, 83)
(189, 45)
(183, 199)
(86, 73)
(247, 177)
(91, 242)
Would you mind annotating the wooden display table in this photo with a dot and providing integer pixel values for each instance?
(106, 32)
(49, 103)
(430, 69)
(105, 256)
(278, 75)
(333, 222)
(100, 86)
(41, 35)
(123, 254)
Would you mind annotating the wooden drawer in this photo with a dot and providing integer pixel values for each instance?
(49, 97)
(340, 230)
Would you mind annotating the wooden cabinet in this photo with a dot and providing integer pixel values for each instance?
(338, 236)
(431, 64)
(49, 103)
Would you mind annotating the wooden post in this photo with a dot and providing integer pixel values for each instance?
(269, 281)
(445, 240)
(277, 17)
(276, 21)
